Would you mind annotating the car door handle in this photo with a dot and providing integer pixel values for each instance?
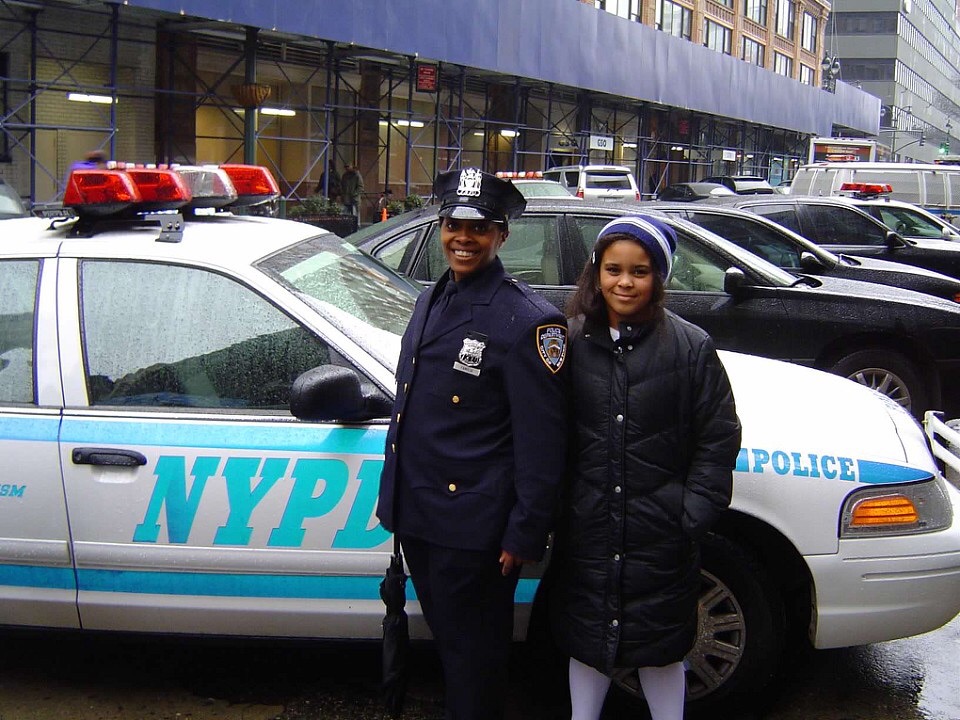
(107, 456)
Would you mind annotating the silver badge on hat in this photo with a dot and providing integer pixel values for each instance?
(470, 180)
(471, 354)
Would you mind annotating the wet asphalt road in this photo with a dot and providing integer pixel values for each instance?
(69, 677)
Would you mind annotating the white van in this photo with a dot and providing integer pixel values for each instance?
(596, 182)
(934, 187)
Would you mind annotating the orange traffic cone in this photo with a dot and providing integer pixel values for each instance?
(383, 214)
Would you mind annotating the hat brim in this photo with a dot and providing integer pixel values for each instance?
(468, 212)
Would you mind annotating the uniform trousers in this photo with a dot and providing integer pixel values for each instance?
(468, 605)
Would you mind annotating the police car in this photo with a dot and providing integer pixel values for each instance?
(193, 410)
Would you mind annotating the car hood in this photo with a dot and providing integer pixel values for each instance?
(816, 410)
(873, 263)
(921, 304)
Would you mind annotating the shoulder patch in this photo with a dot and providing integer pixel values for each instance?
(552, 346)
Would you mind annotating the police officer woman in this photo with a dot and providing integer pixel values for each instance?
(476, 445)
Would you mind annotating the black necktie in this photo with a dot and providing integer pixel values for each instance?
(439, 306)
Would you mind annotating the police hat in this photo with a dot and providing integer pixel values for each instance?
(471, 194)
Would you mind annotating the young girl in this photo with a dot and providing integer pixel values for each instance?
(655, 440)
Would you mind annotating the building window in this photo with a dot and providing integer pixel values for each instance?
(674, 19)
(725, 3)
(756, 10)
(862, 23)
(807, 74)
(629, 9)
(783, 65)
(717, 37)
(808, 38)
(753, 52)
(785, 18)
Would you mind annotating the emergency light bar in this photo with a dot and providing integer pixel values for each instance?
(132, 189)
(521, 175)
(863, 190)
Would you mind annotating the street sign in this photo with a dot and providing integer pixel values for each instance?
(601, 142)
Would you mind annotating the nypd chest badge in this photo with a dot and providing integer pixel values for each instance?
(470, 357)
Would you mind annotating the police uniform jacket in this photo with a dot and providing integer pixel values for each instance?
(656, 437)
(476, 446)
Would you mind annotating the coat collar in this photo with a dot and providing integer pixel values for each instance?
(599, 332)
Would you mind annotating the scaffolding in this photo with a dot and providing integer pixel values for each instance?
(180, 90)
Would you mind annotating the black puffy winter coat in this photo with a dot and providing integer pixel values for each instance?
(656, 437)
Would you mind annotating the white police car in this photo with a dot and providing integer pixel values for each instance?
(171, 467)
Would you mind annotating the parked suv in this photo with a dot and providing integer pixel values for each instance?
(596, 182)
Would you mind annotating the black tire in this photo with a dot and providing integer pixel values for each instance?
(890, 374)
(740, 629)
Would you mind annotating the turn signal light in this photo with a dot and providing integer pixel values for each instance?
(889, 510)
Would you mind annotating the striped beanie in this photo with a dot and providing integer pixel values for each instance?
(658, 238)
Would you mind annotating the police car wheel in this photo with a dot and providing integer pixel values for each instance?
(740, 627)
(889, 374)
(740, 624)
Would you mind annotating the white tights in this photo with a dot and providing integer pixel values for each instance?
(663, 687)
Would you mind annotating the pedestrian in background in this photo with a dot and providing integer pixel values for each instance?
(475, 451)
(91, 161)
(655, 437)
(329, 183)
(351, 190)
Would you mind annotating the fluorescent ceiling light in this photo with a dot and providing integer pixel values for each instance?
(630, 145)
(508, 133)
(478, 133)
(84, 97)
(404, 123)
(285, 112)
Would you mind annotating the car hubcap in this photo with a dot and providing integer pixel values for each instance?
(721, 641)
(884, 382)
(721, 638)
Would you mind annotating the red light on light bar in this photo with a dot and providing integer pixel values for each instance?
(100, 192)
(159, 189)
(254, 184)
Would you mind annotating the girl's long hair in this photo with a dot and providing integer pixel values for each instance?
(588, 301)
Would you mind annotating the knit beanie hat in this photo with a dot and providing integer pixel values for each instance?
(658, 238)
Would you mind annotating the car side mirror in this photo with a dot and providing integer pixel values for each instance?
(733, 281)
(893, 240)
(949, 234)
(810, 262)
(331, 392)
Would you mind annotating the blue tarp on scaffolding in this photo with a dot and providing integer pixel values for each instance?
(559, 41)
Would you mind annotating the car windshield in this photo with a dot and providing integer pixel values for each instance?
(366, 300)
(909, 223)
(770, 272)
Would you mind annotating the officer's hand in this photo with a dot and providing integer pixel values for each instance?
(509, 562)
